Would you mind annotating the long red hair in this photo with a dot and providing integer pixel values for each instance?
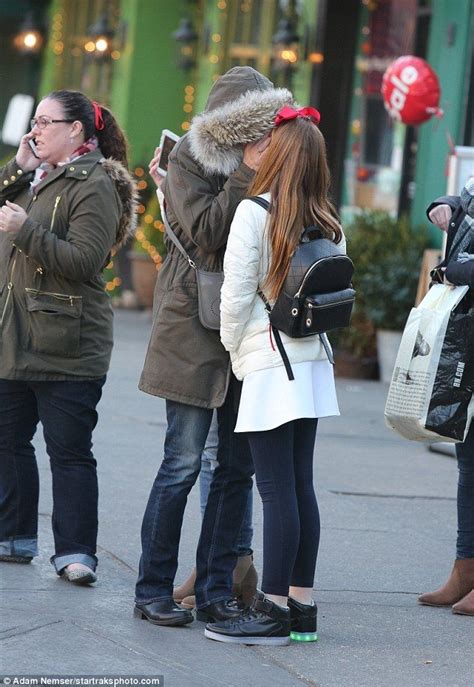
(295, 172)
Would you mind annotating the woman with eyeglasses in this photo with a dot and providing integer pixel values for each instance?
(66, 201)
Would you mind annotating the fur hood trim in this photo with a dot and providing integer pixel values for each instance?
(128, 194)
(217, 136)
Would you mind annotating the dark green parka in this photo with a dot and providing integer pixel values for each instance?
(206, 181)
(55, 316)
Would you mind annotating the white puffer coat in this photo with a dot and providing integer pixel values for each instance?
(244, 321)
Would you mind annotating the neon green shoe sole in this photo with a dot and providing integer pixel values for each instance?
(304, 636)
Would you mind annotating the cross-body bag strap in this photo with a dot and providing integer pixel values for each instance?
(172, 236)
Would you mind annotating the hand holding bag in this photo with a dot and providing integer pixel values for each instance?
(209, 284)
(431, 393)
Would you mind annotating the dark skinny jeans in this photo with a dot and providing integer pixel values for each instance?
(465, 454)
(283, 460)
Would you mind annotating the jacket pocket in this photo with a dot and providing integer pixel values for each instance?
(54, 321)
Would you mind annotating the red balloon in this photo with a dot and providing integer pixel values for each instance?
(411, 91)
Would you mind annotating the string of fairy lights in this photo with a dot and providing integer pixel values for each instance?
(147, 218)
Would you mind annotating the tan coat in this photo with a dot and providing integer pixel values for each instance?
(206, 181)
(55, 316)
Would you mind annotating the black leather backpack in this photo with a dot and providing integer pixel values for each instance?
(317, 295)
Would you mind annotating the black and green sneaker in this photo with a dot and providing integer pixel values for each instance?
(304, 621)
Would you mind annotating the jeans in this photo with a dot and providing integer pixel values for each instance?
(188, 427)
(465, 500)
(283, 459)
(208, 465)
(67, 411)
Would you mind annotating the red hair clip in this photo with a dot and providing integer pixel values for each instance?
(98, 118)
(286, 114)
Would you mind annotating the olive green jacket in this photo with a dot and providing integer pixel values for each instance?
(55, 316)
(206, 180)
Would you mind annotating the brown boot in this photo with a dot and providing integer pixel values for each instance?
(466, 605)
(244, 580)
(185, 589)
(189, 602)
(461, 581)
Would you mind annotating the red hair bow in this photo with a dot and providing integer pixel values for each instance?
(98, 119)
(286, 114)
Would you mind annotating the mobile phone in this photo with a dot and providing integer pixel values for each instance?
(167, 143)
(31, 143)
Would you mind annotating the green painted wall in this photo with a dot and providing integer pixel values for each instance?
(451, 63)
(147, 87)
(213, 21)
(301, 84)
(49, 80)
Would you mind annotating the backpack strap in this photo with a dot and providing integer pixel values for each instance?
(260, 201)
(277, 337)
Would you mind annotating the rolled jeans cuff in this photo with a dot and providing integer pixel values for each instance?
(20, 546)
(60, 562)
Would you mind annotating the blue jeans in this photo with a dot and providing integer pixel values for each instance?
(208, 465)
(188, 427)
(67, 411)
(465, 500)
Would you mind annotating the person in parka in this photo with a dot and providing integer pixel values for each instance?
(209, 171)
(66, 203)
(455, 215)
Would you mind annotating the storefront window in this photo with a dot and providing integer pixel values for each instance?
(373, 168)
(69, 41)
(250, 27)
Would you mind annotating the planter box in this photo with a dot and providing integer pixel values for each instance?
(144, 272)
(350, 366)
(388, 343)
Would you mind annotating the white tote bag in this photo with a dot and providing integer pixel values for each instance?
(431, 393)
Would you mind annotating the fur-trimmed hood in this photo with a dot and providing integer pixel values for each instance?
(128, 194)
(241, 109)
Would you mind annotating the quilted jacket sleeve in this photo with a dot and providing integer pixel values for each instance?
(241, 275)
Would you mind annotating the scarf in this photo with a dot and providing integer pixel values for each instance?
(45, 168)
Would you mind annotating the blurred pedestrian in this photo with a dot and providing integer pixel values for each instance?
(455, 215)
(67, 200)
(209, 172)
(278, 416)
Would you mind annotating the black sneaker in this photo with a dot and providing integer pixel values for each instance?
(264, 623)
(220, 610)
(304, 621)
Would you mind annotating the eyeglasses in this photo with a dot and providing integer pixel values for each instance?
(43, 122)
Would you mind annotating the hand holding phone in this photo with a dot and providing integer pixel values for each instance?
(27, 156)
(153, 168)
(32, 145)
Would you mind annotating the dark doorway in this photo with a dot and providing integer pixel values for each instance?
(331, 87)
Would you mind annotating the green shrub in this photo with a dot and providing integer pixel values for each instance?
(387, 255)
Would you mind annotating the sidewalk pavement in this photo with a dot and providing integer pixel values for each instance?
(388, 533)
